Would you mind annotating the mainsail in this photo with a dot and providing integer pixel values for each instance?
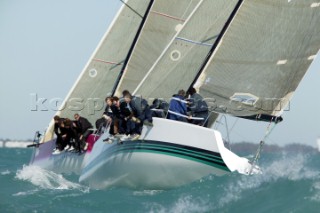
(101, 72)
(163, 22)
(261, 58)
(179, 63)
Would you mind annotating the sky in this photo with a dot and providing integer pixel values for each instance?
(44, 46)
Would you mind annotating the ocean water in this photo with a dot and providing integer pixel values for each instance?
(290, 183)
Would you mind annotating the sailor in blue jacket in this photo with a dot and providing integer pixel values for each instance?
(178, 107)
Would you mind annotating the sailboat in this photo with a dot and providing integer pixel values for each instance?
(318, 144)
(220, 48)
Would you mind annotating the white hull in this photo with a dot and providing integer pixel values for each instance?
(146, 171)
(168, 155)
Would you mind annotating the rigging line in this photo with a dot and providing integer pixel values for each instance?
(234, 124)
(133, 10)
(217, 42)
(268, 130)
(227, 129)
(135, 40)
(207, 118)
(230, 130)
(262, 142)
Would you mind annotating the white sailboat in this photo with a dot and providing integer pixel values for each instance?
(230, 58)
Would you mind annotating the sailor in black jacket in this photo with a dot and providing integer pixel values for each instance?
(84, 128)
(59, 130)
(198, 107)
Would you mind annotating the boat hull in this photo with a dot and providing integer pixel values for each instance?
(150, 165)
(167, 155)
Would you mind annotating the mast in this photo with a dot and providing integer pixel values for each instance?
(216, 43)
(144, 18)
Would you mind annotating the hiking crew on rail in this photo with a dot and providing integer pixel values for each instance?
(126, 116)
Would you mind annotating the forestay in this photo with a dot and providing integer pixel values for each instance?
(100, 73)
(262, 57)
(164, 20)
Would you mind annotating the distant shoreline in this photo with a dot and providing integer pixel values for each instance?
(14, 144)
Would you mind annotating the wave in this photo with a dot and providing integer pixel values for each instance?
(316, 190)
(30, 192)
(290, 182)
(147, 192)
(184, 204)
(237, 192)
(47, 179)
(6, 172)
(288, 167)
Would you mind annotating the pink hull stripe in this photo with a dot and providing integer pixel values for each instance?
(91, 140)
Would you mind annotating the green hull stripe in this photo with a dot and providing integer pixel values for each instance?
(185, 152)
(176, 155)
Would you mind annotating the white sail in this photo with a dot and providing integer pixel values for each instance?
(163, 22)
(263, 55)
(318, 144)
(180, 62)
(101, 72)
